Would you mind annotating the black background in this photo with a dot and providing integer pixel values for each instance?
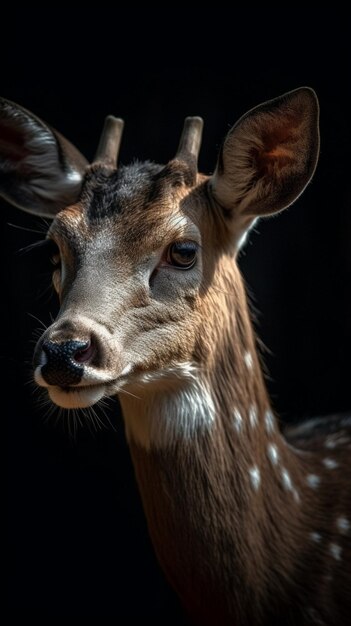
(78, 542)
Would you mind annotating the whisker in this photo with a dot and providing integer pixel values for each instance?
(102, 404)
(25, 228)
(38, 320)
(97, 418)
(129, 393)
(92, 418)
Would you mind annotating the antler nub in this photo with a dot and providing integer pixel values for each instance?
(110, 140)
(190, 141)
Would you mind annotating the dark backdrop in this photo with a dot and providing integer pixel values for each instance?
(78, 542)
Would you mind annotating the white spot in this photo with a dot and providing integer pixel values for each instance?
(335, 550)
(74, 176)
(253, 416)
(238, 420)
(175, 405)
(307, 426)
(335, 441)
(330, 463)
(313, 481)
(248, 360)
(269, 421)
(273, 453)
(287, 484)
(128, 368)
(255, 477)
(330, 443)
(296, 495)
(343, 525)
(317, 537)
(168, 375)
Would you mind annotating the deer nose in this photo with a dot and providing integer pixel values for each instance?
(65, 361)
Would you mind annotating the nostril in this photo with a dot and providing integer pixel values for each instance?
(61, 367)
(84, 354)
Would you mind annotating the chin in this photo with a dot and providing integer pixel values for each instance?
(76, 397)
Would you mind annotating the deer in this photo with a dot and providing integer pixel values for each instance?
(250, 521)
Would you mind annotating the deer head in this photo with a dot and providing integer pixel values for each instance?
(143, 254)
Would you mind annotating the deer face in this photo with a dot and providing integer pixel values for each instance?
(129, 275)
(141, 253)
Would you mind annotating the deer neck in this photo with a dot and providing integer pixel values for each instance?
(220, 487)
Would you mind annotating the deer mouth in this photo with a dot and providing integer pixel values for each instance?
(76, 397)
(92, 388)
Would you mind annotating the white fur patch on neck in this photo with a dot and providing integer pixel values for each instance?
(177, 407)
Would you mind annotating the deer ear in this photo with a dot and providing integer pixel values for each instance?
(40, 171)
(269, 156)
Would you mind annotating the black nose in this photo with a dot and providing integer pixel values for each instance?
(64, 362)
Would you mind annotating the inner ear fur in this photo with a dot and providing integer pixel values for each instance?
(269, 156)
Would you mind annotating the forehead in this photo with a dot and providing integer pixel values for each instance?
(137, 199)
(108, 193)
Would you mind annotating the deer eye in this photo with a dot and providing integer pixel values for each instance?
(182, 254)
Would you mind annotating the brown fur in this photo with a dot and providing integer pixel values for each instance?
(235, 556)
